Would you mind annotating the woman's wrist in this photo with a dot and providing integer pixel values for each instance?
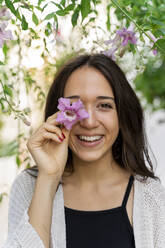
(53, 178)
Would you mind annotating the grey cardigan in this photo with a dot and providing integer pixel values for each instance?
(148, 215)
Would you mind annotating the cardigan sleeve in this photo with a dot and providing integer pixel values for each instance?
(20, 232)
(160, 220)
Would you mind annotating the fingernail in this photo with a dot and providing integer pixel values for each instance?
(60, 139)
(63, 135)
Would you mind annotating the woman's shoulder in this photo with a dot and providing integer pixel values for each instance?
(152, 189)
(24, 182)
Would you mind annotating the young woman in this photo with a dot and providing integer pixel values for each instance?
(93, 185)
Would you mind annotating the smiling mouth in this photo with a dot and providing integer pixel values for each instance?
(90, 138)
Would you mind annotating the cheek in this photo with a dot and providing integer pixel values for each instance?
(71, 140)
(110, 121)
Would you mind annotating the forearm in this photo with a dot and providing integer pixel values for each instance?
(40, 210)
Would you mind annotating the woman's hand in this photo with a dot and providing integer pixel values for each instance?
(48, 151)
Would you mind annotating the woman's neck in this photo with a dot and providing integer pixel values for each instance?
(96, 172)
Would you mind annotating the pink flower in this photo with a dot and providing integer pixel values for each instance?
(4, 34)
(4, 14)
(127, 35)
(155, 51)
(111, 53)
(70, 112)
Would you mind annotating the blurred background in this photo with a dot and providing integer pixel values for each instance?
(37, 37)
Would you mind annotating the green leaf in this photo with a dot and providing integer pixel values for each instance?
(24, 23)
(132, 47)
(63, 2)
(127, 2)
(92, 19)
(35, 18)
(1, 63)
(47, 32)
(70, 7)
(34, 34)
(75, 16)
(156, 21)
(108, 16)
(10, 5)
(62, 12)
(9, 149)
(85, 8)
(1, 103)
(160, 44)
(40, 1)
(49, 26)
(18, 161)
(58, 5)
(5, 76)
(56, 21)
(7, 90)
(18, 14)
(48, 29)
(44, 7)
(49, 16)
(39, 8)
(5, 49)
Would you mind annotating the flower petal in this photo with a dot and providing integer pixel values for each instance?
(64, 103)
(60, 117)
(82, 114)
(69, 124)
(155, 52)
(1, 43)
(8, 35)
(70, 113)
(77, 105)
(125, 41)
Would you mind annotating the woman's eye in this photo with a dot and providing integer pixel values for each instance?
(105, 105)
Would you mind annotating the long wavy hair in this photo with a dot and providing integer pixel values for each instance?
(130, 149)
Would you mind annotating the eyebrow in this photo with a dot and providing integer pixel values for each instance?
(98, 97)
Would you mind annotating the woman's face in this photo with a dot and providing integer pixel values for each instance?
(92, 138)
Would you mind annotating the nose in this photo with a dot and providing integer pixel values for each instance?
(90, 122)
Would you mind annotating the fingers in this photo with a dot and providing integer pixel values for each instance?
(52, 120)
(52, 136)
(46, 132)
(53, 129)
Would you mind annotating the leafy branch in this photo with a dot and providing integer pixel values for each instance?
(138, 26)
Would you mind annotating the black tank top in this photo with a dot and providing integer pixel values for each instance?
(100, 229)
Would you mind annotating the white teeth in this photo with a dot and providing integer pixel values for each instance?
(89, 138)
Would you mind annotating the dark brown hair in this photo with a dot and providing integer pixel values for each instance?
(130, 150)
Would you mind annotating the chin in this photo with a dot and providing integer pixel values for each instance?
(89, 157)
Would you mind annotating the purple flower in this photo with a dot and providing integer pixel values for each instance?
(70, 112)
(4, 14)
(110, 53)
(127, 35)
(4, 34)
(155, 51)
